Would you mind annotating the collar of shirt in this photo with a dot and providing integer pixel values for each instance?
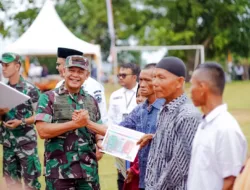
(133, 89)
(158, 103)
(85, 83)
(171, 106)
(63, 90)
(213, 114)
(19, 84)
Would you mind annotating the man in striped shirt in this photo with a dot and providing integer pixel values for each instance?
(170, 152)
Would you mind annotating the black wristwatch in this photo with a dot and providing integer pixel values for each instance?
(23, 122)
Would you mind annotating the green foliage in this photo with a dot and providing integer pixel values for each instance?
(3, 31)
(24, 19)
(129, 57)
(50, 62)
(87, 20)
(219, 25)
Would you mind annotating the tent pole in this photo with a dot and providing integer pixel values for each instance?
(114, 52)
(26, 66)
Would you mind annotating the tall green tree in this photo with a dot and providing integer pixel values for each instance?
(221, 26)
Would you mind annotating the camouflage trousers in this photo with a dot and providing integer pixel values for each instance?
(70, 184)
(21, 162)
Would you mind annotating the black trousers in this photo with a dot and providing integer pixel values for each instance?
(238, 77)
(120, 181)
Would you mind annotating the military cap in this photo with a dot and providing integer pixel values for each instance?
(65, 52)
(10, 57)
(77, 61)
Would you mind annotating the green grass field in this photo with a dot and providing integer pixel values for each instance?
(236, 96)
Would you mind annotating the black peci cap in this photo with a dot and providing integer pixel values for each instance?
(173, 65)
(65, 52)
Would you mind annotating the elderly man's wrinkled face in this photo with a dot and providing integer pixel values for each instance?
(146, 84)
(165, 83)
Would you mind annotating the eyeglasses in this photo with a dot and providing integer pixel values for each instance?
(123, 75)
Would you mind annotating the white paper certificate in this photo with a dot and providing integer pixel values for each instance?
(10, 97)
(121, 142)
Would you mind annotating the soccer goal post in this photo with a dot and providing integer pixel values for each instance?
(199, 53)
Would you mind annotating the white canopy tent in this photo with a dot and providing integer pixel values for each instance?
(47, 33)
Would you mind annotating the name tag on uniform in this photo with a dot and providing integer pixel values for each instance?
(118, 97)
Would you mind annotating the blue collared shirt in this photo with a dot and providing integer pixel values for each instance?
(143, 118)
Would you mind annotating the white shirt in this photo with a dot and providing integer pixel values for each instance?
(1, 73)
(239, 70)
(95, 89)
(121, 103)
(219, 151)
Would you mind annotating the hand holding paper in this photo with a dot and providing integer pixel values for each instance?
(145, 140)
(121, 142)
(130, 176)
(99, 145)
(98, 154)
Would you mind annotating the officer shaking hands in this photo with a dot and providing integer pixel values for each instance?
(90, 85)
(70, 159)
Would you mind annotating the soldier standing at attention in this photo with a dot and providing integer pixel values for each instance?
(70, 159)
(18, 135)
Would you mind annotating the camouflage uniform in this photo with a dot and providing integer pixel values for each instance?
(20, 157)
(69, 158)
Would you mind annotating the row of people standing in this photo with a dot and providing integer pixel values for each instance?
(167, 117)
(185, 150)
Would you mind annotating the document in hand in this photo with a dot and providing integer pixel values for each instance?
(121, 142)
(10, 97)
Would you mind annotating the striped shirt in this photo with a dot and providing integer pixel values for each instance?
(170, 151)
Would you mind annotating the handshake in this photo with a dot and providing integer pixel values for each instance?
(80, 118)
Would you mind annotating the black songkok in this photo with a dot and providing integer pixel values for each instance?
(173, 65)
(65, 52)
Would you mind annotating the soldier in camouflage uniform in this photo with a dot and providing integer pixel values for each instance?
(18, 135)
(69, 159)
